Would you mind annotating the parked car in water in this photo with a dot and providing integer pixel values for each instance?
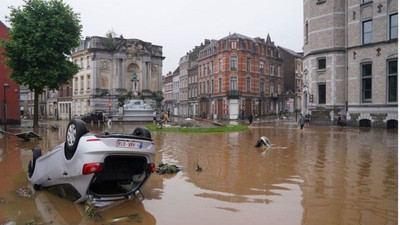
(100, 167)
(95, 117)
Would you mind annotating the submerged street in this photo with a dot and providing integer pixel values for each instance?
(319, 175)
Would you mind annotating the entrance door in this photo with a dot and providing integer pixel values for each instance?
(233, 109)
(248, 107)
(219, 109)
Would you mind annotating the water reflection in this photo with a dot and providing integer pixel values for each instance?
(317, 176)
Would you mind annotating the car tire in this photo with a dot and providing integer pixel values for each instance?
(141, 132)
(37, 152)
(75, 130)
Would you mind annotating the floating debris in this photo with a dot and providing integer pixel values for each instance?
(263, 142)
(55, 127)
(2, 201)
(90, 211)
(137, 217)
(165, 168)
(24, 192)
(198, 167)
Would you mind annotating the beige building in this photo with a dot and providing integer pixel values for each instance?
(350, 61)
(111, 67)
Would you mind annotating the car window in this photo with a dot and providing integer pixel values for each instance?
(66, 191)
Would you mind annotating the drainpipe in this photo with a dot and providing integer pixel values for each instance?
(346, 72)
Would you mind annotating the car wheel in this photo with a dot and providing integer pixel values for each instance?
(141, 132)
(37, 152)
(75, 130)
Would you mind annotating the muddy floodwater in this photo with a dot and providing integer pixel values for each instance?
(320, 175)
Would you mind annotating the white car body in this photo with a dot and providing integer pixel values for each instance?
(102, 168)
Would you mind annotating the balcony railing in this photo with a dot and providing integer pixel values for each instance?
(233, 94)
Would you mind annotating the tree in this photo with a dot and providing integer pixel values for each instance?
(42, 37)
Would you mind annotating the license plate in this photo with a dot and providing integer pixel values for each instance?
(129, 144)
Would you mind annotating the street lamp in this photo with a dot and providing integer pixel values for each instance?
(5, 86)
(109, 104)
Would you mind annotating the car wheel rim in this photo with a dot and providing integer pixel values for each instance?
(71, 135)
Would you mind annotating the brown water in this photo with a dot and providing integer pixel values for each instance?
(316, 176)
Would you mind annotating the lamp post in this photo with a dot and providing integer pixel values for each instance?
(5, 86)
(109, 104)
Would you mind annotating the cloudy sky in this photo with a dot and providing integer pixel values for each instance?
(179, 25)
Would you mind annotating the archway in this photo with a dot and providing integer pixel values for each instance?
(391, 124)
(364, 123)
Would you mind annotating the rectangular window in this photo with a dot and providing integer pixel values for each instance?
(212, 86)
(76, 83)
(219, 65)
(81, 63)
(366, 70)
(219, 84)
(88, 82)
(392, 81)
(393, 26)
(82, 80)
(279, 71)
(234, 84)
(262, 86)
(233, 44)
(233, 63)
(367, 32)
(88, 62)
(248, 64)
(261, 67)
(321, 64)
(271, 87)
(271, 70)
(321, 93)
(248, 84)
(212, 67)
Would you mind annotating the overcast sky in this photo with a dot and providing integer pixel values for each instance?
(179, 25)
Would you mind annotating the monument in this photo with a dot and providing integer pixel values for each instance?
(135, 109)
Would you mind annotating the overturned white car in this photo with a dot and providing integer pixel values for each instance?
(105, 167)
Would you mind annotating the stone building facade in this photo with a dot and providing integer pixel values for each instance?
(350, 61)
(109, 67)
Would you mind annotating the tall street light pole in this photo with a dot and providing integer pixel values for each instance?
(5, 86)
(109, 104)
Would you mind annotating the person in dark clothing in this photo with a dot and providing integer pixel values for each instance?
(250, 117)
(302, 121)
(308, 118)
(341, 120)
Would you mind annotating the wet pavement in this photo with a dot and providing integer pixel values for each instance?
(319, 175)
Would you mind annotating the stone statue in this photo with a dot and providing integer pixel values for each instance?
(134, 75)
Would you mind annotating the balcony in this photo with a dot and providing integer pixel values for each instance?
(262, 95)
(233, 94)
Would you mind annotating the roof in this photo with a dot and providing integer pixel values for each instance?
(291, 52)
(1, 22)
(236, 35)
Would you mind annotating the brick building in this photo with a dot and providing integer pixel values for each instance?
(350, 61)
(238, 76)
(293, 84)
(9, 93)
